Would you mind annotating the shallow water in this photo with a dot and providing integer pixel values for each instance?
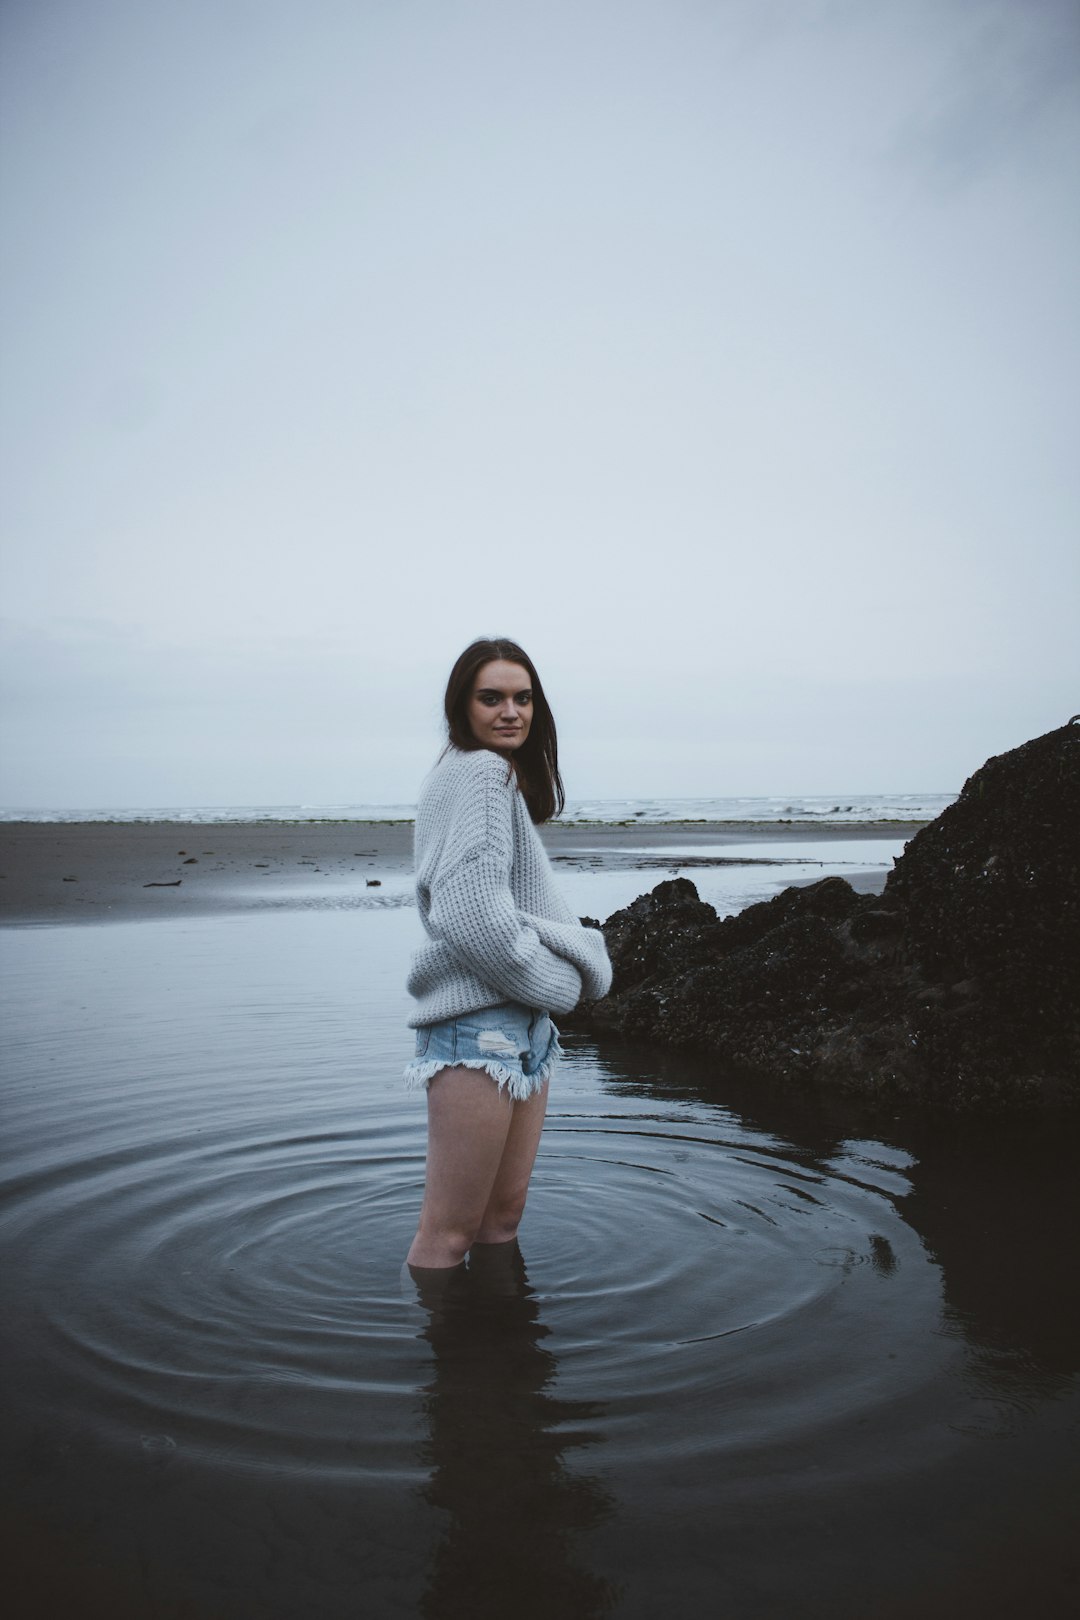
(759, 1356)
(598, 882)
(729, 876)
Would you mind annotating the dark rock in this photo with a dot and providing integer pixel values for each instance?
(192, 860)
(876, 923)
(173, 883)
(373, 883)
(958, 986)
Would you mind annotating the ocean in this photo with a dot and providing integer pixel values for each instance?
(845, 807)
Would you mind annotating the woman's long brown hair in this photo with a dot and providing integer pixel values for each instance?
(536, 762)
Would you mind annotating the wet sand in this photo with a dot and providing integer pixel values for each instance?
(103, 871)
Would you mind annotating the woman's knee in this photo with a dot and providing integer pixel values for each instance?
(441, 1246)
(504, 1212)
(456, 1245)
(512, 1205)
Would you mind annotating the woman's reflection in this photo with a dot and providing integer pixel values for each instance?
(497, 1439)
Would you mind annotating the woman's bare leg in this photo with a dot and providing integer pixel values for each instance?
(506, 1204)
(468, 1123)
(481, 1148)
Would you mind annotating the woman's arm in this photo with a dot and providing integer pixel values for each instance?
(584, 947)
(473, 910)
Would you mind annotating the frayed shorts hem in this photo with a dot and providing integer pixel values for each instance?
(521, 1087)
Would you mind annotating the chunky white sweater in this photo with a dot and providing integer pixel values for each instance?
(499, 930)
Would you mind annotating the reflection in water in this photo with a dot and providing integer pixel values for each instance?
(995, 1201)
(999, 1208)
(496, 1442)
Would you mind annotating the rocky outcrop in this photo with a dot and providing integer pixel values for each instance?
(959, 985)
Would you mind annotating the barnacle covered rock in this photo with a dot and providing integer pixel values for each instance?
(959, 985)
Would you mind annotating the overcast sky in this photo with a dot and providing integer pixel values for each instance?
(724, 354)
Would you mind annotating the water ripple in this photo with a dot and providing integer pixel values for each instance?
(238, 1283)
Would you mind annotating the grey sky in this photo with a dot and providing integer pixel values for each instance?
(724, 354)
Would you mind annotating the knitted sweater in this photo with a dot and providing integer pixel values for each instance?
(498, 928)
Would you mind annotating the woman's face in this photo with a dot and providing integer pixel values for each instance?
(501, 706)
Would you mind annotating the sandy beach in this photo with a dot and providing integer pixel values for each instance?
(104, 871)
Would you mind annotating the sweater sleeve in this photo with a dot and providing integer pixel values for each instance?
(473, 910)
(586, 948)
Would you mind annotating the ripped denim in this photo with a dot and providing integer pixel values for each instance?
(518, 1046)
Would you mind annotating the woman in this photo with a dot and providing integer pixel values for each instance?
(504, 951)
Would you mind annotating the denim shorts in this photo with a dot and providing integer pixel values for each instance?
(516, 1045)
